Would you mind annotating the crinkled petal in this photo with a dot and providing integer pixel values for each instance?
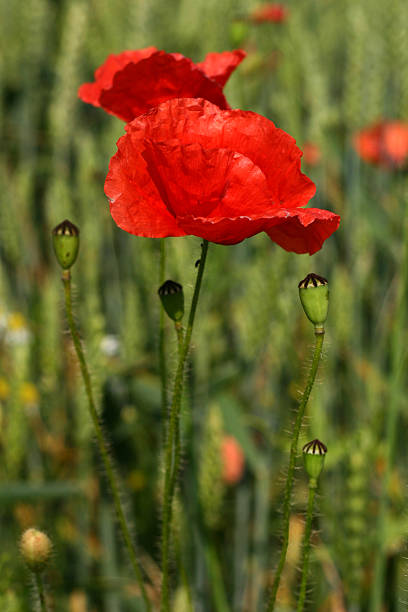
(220, 66)
(173, 175)
(135, 204)
(222, 231)
(247, 133)
(203, 182)
(303, 230)
(162, 76)
(299, 231)
(90, 92)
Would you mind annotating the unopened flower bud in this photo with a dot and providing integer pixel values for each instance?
(172, 298)
(313, 457)
(36, 549)
(65, 239)
(314, 295)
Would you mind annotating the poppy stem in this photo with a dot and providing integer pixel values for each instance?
(306, 544)
(162, 352)
(172, 452)
(103, 448)
(40, 588)
(292, 460)
(180, 336)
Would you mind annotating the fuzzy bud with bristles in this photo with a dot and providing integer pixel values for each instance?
(36, 549)
(65, 239)
(313, 457)
(314, 295)
(172, 298)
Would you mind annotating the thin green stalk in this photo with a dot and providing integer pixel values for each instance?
(217, 584)
(260, 550)
(103, 449)
(183, 574)
(40, 588)
(306, 544)
(162, 353)
(180, 336)
(172, 453)
(291, 471)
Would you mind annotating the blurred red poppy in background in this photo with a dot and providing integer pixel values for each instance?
(132, 82)
(385, 143)
(233, 460)
(272, 12)
(188, 167)
(311, 154)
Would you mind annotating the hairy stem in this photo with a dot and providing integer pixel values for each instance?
(306, 544)
(41, 593)
(291, 470)
(103, 448)
(180, 336)
(162, 353)
(172, 453)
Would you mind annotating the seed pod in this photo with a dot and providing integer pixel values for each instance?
(313, 457)
(65, 239)
(36, 549)
(172, 298)
(314, 295)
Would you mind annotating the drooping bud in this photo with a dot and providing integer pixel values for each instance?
(314, 295)
(172, 298)
(313, 457)
(36, 549)
(65, 239)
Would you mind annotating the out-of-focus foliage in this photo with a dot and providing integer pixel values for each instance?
(331, 68)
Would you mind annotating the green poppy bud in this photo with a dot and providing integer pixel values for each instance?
(65, 239)
(238, 32)
(172, 298)
(313, 457)
(314, 295)
(36, 549)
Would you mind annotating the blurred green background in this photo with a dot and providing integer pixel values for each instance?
(333, 67)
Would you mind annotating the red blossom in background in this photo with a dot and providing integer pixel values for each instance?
(311, 154)
(233, 460)
(132, 82)
(189, 168)
(385, 144)
(273, 12)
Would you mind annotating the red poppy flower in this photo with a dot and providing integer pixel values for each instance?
(129, 84)
(311, 154)
(385, 143)
(188, 167)
(270, 12)
(233, 460)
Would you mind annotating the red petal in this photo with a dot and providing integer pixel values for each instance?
(303, 230)
(247, 133)
(194, 184)
(162, 76)
(299, 231)
(209, 183)
(222, 231)
(90, 92)
(135, 203)
(220, 66)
